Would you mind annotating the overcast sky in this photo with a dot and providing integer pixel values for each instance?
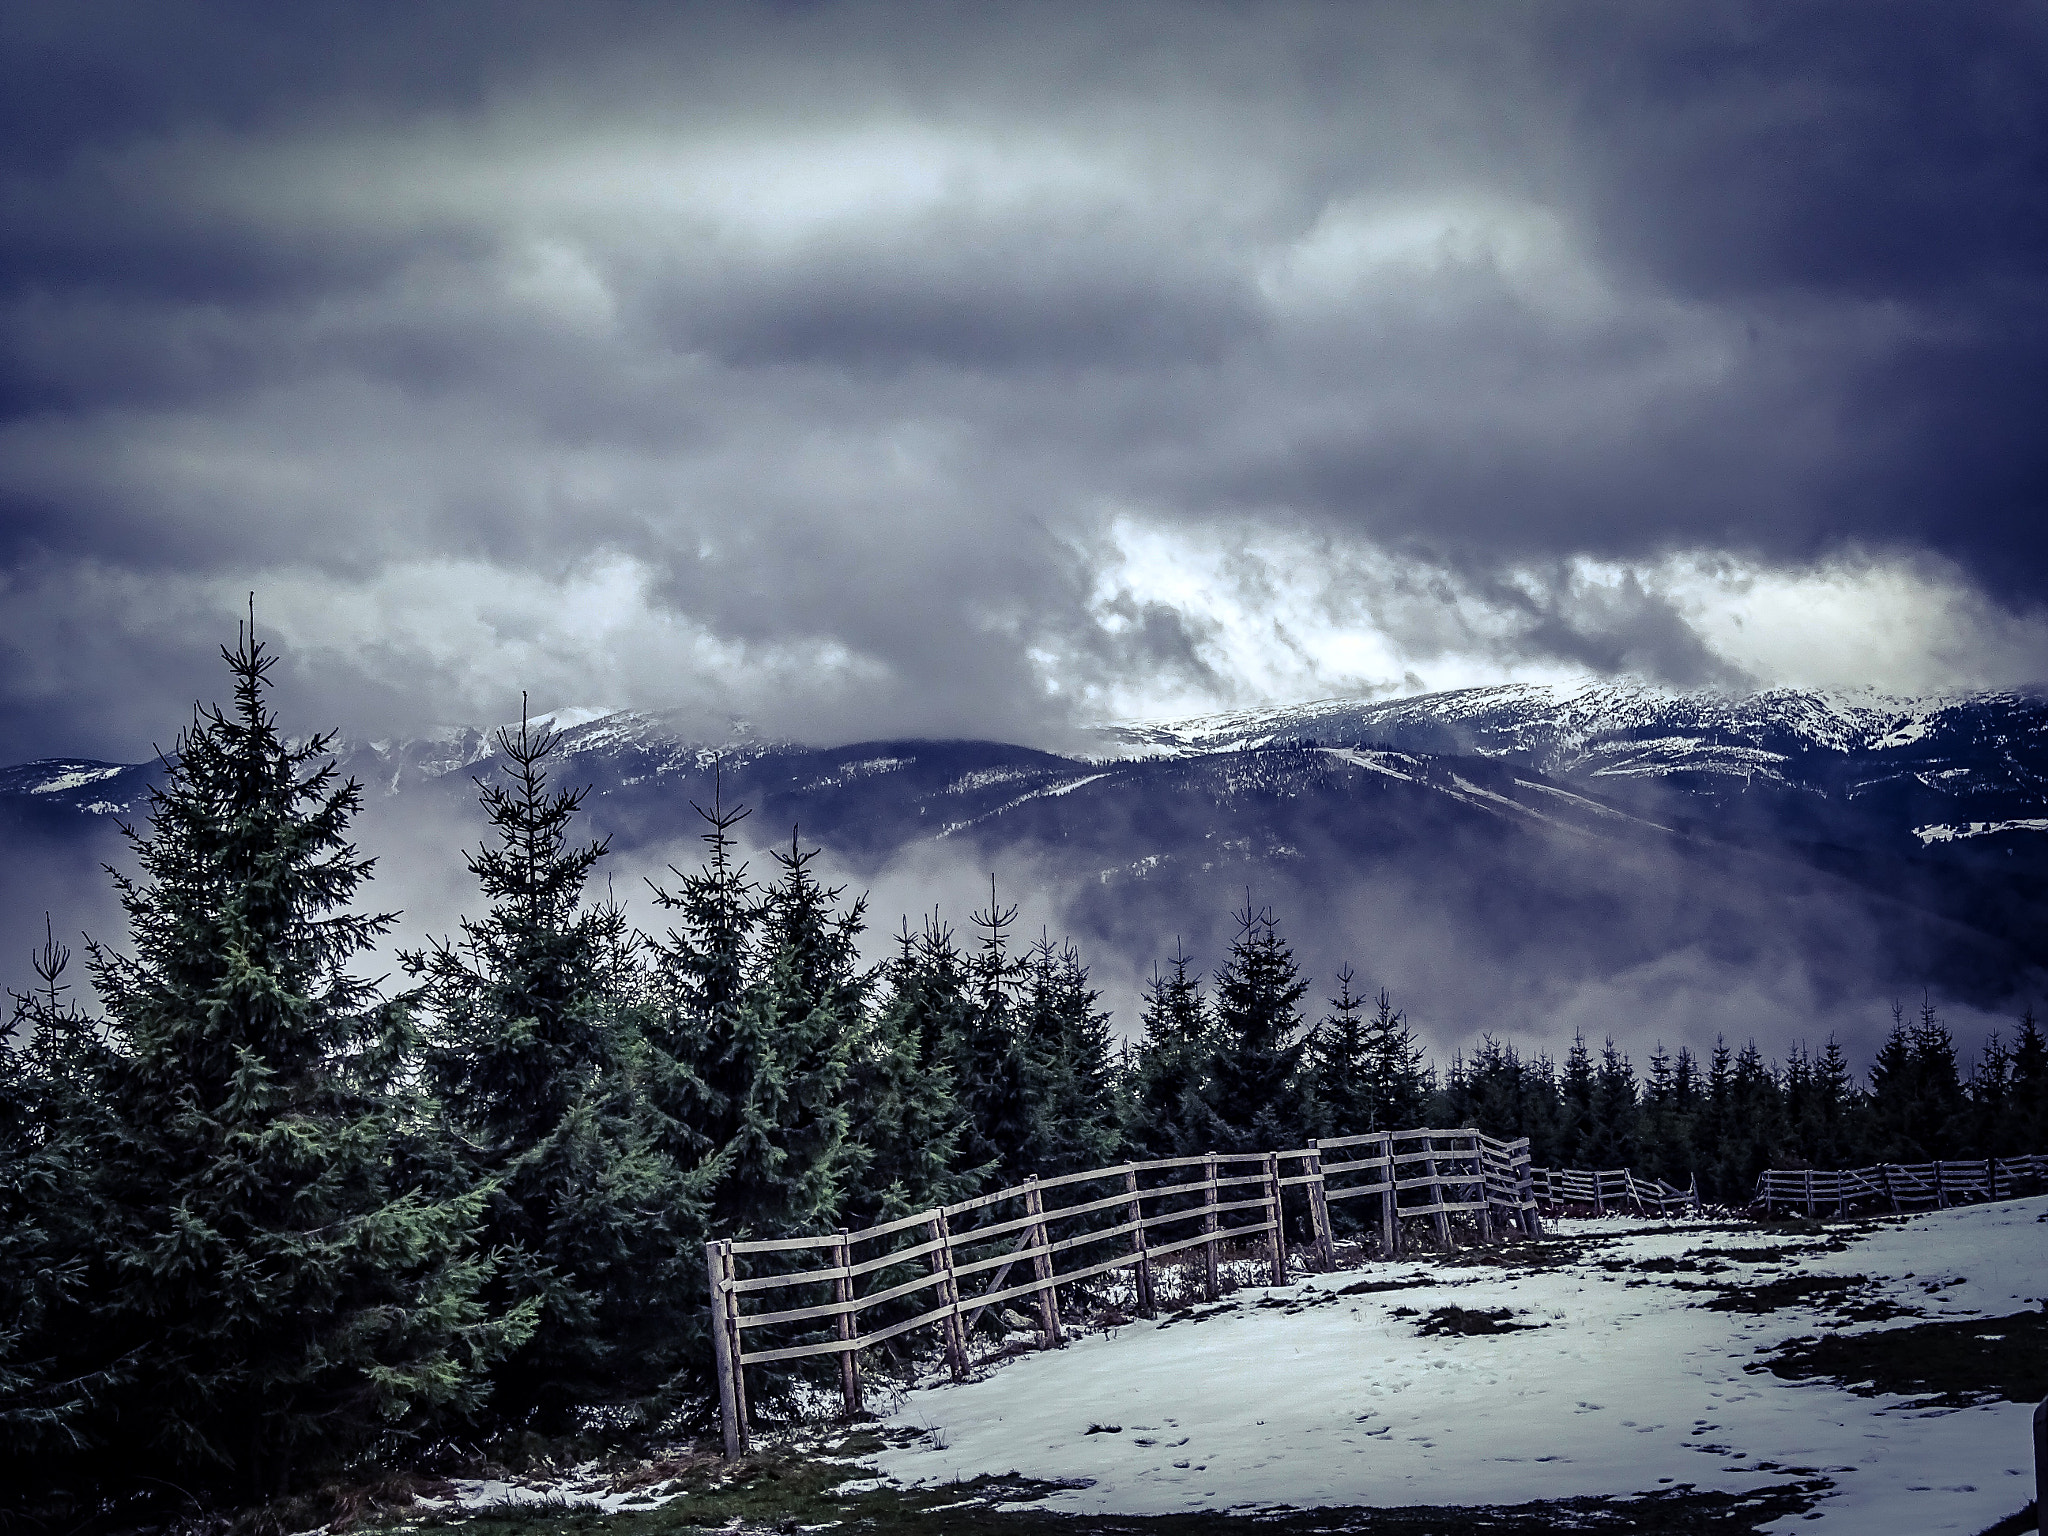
(870, 369)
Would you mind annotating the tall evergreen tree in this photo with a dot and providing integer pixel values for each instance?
(1167, 1105)
(908, 1120)
(1917, 1108)
(276, 1302)
(794, 1034)
(534, 1052)
(1065, 1038)
(1398, 1080)
(49, 1221)
(1576, 1091)
(2030, 1086)
(1341, 1064)
(1257, 1090)
(992, 1075)
(1612, 1143)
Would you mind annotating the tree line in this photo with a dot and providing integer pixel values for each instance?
(261, 1221)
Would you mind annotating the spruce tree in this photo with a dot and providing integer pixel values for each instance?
(789, 1156)
(2030, 1086)
(1257, 1090)
(1167, 1105)
(907, 1119)
(275, 1302)
(1615, 1111)
(49, 1218)
(1398, 1083)
(1341, 1064)
(1064, 1036)
(992, 1075)
(1577, 1091)
(534, 1053)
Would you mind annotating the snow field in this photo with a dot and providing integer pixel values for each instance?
(1302, 1396)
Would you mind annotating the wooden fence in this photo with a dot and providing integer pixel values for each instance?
(944, 1269)
(1899, 1186)
(1610, 1189)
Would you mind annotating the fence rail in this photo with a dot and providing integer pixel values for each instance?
(1900, 1186)
(944, 1268)
(1606, 1189)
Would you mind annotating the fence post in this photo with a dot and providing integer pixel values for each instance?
(1809, 1194)
(1884, 1174)
(1211, 1286)
(1390, 1208)
(1940, 1193)
(1991, 1173)
(1441, 1220)
(1319, 1209)
(1525, 1189)
(1485, 1194)
(842, 1291)
(1041, 1266)
(1276, 1241)
(2041, 1467)
(949, 1296)
(1599, 1193)
(721, 1349)
(1135, 1209)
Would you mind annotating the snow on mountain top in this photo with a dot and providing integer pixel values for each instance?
(1617, 1383)
(1553, 720)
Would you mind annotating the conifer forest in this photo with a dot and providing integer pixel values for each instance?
(264, 1221)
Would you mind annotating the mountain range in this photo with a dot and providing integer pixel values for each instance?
(1522, 859)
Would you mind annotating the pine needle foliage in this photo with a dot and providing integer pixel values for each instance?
(533, 1052)
(272, 1301)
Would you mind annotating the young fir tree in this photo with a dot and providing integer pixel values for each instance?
(1166, 1093)
(992, 1075)
(1064, 1035)
(1667, 1126)
(1616, 1109)
(788, 1156)
(702, 967)
(49, 1054)
(1257, 1089)
(2030, 1086)
(275, 1301)
(1398, 1083)
(1917, 1108)
(1340, 1063)
(533, 1052)
(1577, 1092)
(908, 1120)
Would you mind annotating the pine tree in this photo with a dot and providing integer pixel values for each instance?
(534, 1051)
(908, 1120)
(1612, 1143)
(992, 1076)
(1257, 1090)
(49, 1217)
(1167, 1106)
(1917, 1109)
(1341, 1064)
(276, 1302)
(790, 1156)
(2030, 1086)
(1576, 1093)
(1064, 1036)
(1398, 1083)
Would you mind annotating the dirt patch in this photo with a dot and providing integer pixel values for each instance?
(1956, 1362)
(1851, 1298)
(1466, 1322)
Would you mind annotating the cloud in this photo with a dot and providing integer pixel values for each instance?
(896, 369)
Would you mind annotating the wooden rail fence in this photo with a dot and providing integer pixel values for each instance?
(1608, 1189)
(1901, 1186)
(943, 1269)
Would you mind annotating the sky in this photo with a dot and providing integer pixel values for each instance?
(857, 370)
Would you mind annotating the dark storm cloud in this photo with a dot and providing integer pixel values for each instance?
(798, 362)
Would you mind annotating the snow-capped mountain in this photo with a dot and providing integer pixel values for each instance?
(1589, 831)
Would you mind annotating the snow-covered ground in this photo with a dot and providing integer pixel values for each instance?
(1630, 1385)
